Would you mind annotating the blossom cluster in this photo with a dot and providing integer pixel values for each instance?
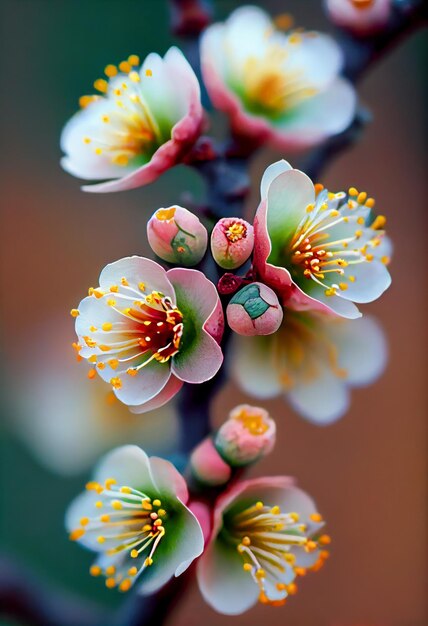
(285, 285)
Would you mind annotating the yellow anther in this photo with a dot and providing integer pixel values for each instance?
(352, 279)
(334, 213)
(316, 517)
(343, 286)
(92, 485)
(105, 119)
(114, 288)
(107, 326)
(311, 545)
(161, 512)
(125, 585)
(111, 302)
(97, 293)
(284, 21)
(87, 140)
(101, 539)
(358, 233)
(109, 482)
(85, 100)
(105, 518)
(101, 85)
(124, 281)
(95, 570)
(361, 220)
(275, 510)
(379, 222)
(259, 505)
(132, 371)
(309, 208)
(330, 292)
(142, 286)
(300, 571)
(110, 70)
(281, 586)
(110, 583)
(92, 358)
(125, 67)
(369, 257)
(147, 528)
(134, 554)
(260, 573)
(247, 567)
(125, 490)
(292, 589)
(352, 191)
(149, 72)
(362, 197)
(113, 363)
(324, 540)
(74, 312)
(385, 260)
(91, 374)
(110, 570)
(148, 561)
(134, 59)
(290, 558)
(132, 571)
(157, 502)
(117, 505)
(76, 534)
(84, 521)
(370, 202)
(99, 504)
(246, 541)
(101, 366)
(294, 516)
(146, 505)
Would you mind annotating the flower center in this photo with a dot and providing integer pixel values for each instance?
(253, 422)
(150, 329)
(127, 522)
(266, 539)
(270, 86)
(331, 239)
(236, 231)
(362, 4)
(128, 130)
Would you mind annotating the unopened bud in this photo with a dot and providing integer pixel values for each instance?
(176, 235)
(208, 466)
(254, 310)
(232, 242)
(362, 17)
(248, 435)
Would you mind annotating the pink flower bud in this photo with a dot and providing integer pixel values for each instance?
(208, 466)
(176, 235)
(360, 16)
(248, 435)
(254, 310)
(232, 242)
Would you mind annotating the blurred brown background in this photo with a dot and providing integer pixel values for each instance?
(368, 471)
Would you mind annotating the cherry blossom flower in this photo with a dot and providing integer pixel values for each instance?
(142, 123)
(313, 360)
(319, 250)
(266, 532)
(146, 331)
(276, 87)
(133, 514)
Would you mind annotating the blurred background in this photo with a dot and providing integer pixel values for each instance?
(367, 472)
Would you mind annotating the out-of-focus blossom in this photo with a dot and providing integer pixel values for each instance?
(142, 122)
(359, 16)
(146, 331)
(254, 310)
(176, 235)
(248, 435)
(276, 87)
(232, 242)
(319, 250)
(134, 515)
(207, 464)
(313, 360)
(266, 532)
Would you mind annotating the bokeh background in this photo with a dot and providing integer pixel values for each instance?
(367, 472)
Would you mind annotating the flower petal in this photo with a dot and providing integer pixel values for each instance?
(128, 465)
(171, 388)
(253, 368)
(323, 400)
(269, 175)
(200, 356)
(136, 270)
(371, 280)
(167, 479)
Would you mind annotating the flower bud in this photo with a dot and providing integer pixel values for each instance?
(248, 435)
(232, 242)
(360, 16)
(176, 235)
(254, 310)
(208, 466)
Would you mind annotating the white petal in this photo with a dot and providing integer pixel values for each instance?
(318, 57)
(371, 280)
(252, 366)
(128, 465)
(321, 401)
(271, 173)
(137, 269)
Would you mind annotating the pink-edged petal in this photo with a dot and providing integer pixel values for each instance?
(145, 386)
(223, 583)
(335, 305)
(168, 480)
(361, 348)
(200, 356)
(323, 400)
(171, 388)
(137, 270)
(269, 175)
